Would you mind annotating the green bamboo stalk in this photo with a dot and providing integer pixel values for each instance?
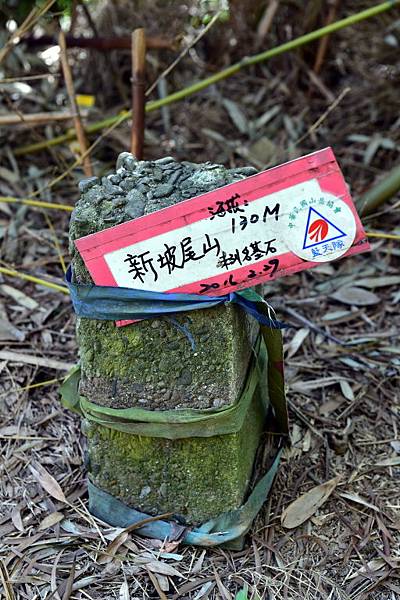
(379, 193)
(228, 72)
(37, 280)
(36, 203)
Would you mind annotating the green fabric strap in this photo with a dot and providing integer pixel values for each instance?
(266, 372)
(227, 528)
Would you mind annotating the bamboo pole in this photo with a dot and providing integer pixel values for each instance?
(379, 193)
(138, 83)
(383, 235)
(80, 132)
(102, 44)
(35, 203)
(37, 280)
(39, 118)
(228, 72)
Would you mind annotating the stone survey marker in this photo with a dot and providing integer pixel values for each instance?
(150, 365)
(275, 223)
(163, 225)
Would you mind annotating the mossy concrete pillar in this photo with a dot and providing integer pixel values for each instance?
(151, 364)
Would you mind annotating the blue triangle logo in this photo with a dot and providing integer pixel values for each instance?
(322, 226)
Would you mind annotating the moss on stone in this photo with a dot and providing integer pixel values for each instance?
(195, 478)
(153, 364)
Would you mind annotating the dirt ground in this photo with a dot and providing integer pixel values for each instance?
(342, 358)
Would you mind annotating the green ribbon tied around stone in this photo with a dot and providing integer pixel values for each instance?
(228, 528)
(266, 371)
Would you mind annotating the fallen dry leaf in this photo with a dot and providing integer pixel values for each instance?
(376, 564)
(17, 519)
(124, 591)
(396, 446)
(112, 548)
(394, 461)
(159, 567)
(297, 340)
(307, 505)
(346, 389)
(355, 296)
(358, 500)
(47, 482)
(51, 520)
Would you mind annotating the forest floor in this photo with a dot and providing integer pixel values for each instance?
(343, 395)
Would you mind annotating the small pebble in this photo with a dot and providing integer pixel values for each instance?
(109, 188)
(119, 202)
(135, 196)
(165, 160)
(87, 183)
(126, 160)
(244, 171)
(94, 195)
(135, 204)
(127, 184)
(145, 491)
(164, 189)
(174, 177)
(157, 175)
(115, 179)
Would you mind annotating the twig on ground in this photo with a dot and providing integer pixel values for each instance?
(379, 193)
(266, 21)
(304, 419)
(293, 313)
(38, 361)
(322, 118)
(36, 118)
(53, 286)
(323, 44)
(56, 243)
(31, 386)
(382, 236)
(80, 132)
(103, 44)
(79, 160)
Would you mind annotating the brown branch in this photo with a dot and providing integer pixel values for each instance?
(266, 21)
(323, 44)
(80, 132)
(35, 118)
(102, 43)
(138, 83)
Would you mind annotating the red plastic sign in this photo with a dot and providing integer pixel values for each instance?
(287, 219)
